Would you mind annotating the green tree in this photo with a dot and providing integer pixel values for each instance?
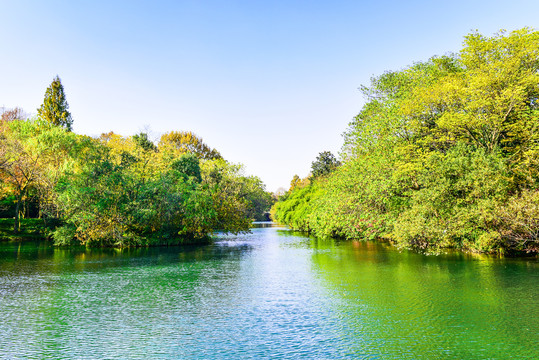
(55, 107)
(229, 193)
(186, 141)
(19, 170)
(33, 156)
(324, 164)
(259, 199)
(443, 154)
(298, 182)
(189, 166)
(143, 141)
(491, 101)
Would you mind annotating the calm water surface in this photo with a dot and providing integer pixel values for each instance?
(269, 294)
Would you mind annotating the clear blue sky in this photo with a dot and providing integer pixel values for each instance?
(270, 84)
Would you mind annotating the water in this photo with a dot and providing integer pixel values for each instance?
(269, 294)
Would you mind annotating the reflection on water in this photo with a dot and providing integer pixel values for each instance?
(265, 224)
(453, 305)
(271, 293)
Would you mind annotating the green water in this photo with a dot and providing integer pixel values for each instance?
(269, 294)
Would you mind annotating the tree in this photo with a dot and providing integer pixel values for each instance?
(298, 182)
(325, 163)
(19, 168)
(55, 107)
(189, 166)
(143, 141)
(490, 101)
(13, 114)
(33, 155)
(186, 141)
(260, 201)
(445, 153)
(229, 193)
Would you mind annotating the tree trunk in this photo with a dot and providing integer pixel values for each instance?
(17, 224)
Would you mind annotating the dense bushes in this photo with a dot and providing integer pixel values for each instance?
(122, 191)
(443, 154)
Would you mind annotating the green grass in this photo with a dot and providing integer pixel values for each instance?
(31, 229)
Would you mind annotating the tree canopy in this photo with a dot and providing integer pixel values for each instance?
(444, 153)
(324, 164)
(55, 108)
(13, 114)
(186, 141)
(121, 191)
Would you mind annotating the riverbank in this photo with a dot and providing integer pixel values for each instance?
(31, 229)
(35, 230)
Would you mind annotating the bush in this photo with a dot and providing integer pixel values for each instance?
(518, 222)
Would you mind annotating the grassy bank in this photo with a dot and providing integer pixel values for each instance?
(31, 229)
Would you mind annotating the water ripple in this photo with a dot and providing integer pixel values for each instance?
(267, 294)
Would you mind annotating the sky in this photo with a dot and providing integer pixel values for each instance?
(269, 84)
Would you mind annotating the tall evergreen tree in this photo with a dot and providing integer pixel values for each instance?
(55, 107)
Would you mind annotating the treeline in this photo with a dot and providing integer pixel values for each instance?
(121, 191)
(444, 154)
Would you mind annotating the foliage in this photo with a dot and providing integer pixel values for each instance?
(31, 229)
(458, 199)
(118, 200)
(120, 191)
(55, 107)
(324, 164)
(34, 154)
(185, 141)
(517, 221)
(231, 193)
(297, 209)
(189, 166)
(260, 200)
(13, 114)
(143, 141)
(108, 205)
(443, 154)
(298, 182)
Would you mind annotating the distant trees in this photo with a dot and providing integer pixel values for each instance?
(258, 198)
(13, 114)
(119, 191)
(186, 141)
(298, 182)
(55, 107)
(142, 140)
(324, 164)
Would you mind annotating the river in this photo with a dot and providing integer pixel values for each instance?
(269, 294)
